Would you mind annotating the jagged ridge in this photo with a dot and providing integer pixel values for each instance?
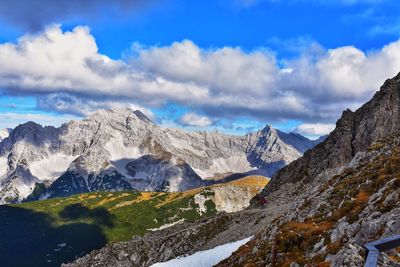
(114, 150)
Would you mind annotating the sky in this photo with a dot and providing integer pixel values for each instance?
(227, 65)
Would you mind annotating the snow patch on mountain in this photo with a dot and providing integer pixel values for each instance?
(167, 225)
(3, 166)
(233, 164)
(51, 167)
(121, 155)
(206, 258)
(4, 133)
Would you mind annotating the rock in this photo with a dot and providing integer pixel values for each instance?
(391, 199)
(318, 246)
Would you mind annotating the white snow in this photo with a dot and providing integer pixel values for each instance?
(200, 200)
(3, 166)
(206, 258)
(233, 164)
(4, 133)
(120, 154)
(52, 167)
(167, 225)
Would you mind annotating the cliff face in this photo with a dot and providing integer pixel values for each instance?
(344, 193)
(354, 132)
(328, 225)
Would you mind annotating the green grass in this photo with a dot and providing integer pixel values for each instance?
(126, 221)
(34, 231)
(54, 231)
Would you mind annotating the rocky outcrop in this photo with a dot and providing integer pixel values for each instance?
(340, 187)
(122, 149)
(328, 225)
(354, 132)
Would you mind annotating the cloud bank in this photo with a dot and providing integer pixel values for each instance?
(66, 72)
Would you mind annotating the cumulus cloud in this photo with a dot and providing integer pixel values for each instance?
(33, 15)
(66, 72)
(193, 119)
(316, 129)
(315, 86)
(65, 103)
(69, 62)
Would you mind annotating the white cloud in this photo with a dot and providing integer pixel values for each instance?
(68, 74)
(227, 69)
(316, 129)
(192, 119)
(65, 103)
(69, 62)
(11, 120)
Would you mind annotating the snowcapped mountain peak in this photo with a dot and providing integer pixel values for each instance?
(122, 149)
(118, 115)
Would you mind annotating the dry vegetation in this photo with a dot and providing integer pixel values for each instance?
(347, 196)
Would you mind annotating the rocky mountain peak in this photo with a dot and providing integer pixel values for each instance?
(31, 132)
(268, 128)
(142, 116)
(354, 132)
(118, 114)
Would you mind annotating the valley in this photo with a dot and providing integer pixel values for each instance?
(54, 231)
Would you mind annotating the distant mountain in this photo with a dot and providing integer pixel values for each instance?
(122, 149)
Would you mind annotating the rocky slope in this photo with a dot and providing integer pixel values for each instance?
(114, 150)
(354, 132)
(342, 188)
(329, 225)
(319, 210)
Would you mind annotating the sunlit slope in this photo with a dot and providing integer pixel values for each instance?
(124, 214)
(57, 230)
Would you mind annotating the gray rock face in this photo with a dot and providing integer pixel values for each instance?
(354, 132)
(124, 150)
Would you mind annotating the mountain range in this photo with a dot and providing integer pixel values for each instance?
(122, 149)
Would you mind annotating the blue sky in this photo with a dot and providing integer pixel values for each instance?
(233, 66)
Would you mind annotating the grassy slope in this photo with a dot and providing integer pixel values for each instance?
(88, 221)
